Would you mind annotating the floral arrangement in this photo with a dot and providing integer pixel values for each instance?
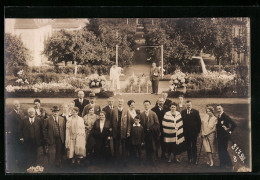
(96, 81)
(178, 79)
(37, 169)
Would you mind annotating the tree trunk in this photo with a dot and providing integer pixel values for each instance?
(76, 68)
(219, 65)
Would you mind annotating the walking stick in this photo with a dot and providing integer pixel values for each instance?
(200, 151)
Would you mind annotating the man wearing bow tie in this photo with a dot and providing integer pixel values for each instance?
(30, 134)
(81, 102)
(54, 136)
(225, 126)
(92, 104)
(120, 130)
(150, 123)
(191, 129)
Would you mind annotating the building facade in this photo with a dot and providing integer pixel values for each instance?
(34, 32)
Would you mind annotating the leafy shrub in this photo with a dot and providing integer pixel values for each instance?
(105, 94)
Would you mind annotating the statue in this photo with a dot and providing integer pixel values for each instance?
(115, 72)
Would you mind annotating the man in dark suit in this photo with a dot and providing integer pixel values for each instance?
(30, 134)
(191, 129)
(160, 109)
(91, 104)
(54, 136)
(150, 123)
(13, 145)
(80, 102)
(108, 109)
(120, 130)
(154, 77)
(225, 126)
(40, 112)
(167, 101)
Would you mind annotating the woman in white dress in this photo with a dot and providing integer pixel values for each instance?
(75, 137)
(208, 133)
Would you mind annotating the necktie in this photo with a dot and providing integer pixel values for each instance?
(188, 111)
(31, 121)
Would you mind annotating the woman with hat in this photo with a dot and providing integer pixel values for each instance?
(75, 137)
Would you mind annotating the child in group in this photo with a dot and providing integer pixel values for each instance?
(137, 136)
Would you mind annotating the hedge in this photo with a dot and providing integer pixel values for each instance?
(61, 94)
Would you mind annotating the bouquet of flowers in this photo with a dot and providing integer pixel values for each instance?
(178, 79)
(37, 169)
(97, 81)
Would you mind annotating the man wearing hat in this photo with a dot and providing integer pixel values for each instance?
(81, 102)
(92, 103)
(54, 136)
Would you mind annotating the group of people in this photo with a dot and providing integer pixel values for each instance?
(81, 129)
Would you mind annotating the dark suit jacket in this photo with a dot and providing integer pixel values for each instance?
(108, 111)
(125, 123)
(24, 130)
(101, 137)
(12, 125)
(191, 123)
(97, 109)
(81, 106)
(166, 104)
(48, 130)
(43, 114)
(150, 124)
(160, 113)
(226, 121)
(152, 71)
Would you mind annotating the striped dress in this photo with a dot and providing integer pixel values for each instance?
(173, 130)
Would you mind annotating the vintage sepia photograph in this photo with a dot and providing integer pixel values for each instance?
(127, 95)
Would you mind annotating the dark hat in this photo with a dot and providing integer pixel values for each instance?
(55, 108)
(37, 100)
(92, 95)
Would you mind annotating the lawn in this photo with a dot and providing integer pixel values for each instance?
(237, 109)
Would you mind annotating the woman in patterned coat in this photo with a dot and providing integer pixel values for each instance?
(75, 137)
(173, 132)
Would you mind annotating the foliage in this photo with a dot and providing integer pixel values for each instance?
(112, 32)
(79, 46)
(16, 54)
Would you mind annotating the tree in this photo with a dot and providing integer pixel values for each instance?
(112, 32)
(16, 54)
(81, 46)
(223, 42)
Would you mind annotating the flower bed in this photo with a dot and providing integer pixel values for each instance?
(213, 84)
(140, 84)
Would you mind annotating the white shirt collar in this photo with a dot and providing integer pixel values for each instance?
(31, 119)
(220, 114)
(136, 125)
